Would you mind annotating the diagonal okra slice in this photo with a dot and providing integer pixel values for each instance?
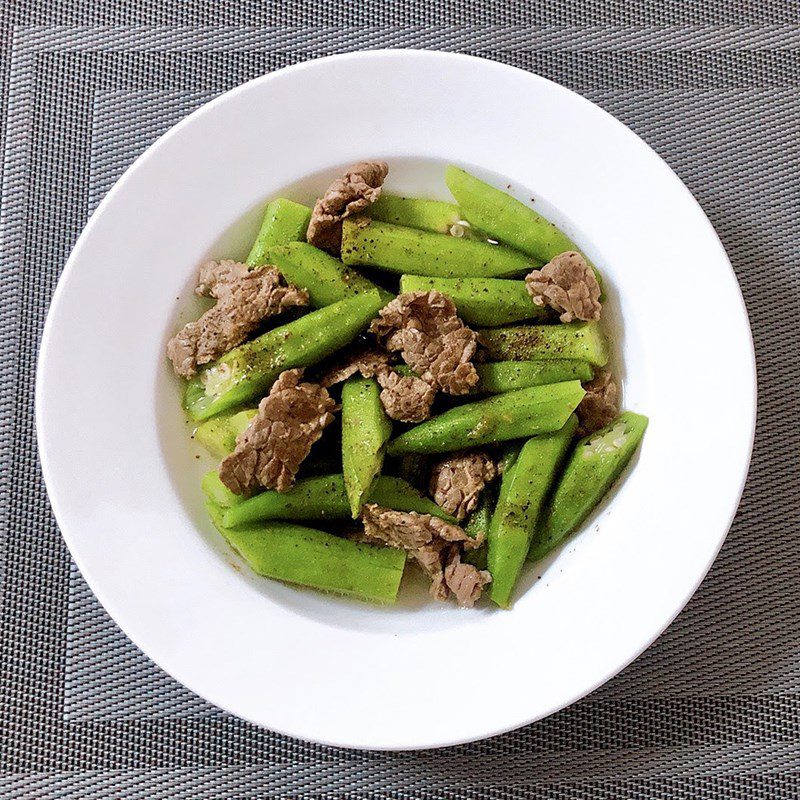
(481, 301)
(308, 557)
(522, 493)
(506, 376)
(218, 435)
(581, 341)
(247, 372)
(413, 252)
(365, 431)
(324, 497)
(594, 465)
(217, 492)
(324, 277)
(513, 415)
(504, 218)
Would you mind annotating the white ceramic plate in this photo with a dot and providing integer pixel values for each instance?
(123, 477)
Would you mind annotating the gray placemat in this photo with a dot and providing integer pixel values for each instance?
(712, 709)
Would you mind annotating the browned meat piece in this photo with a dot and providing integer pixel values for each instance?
(244, 298)
(289, 420)
(350, 194)
(215, 276)
(406, 398)
(369, 362)
(408, 530)
(568, 285)
(465, 581)
(430, 558)
(430, 541)
(600, 403)
(433, 341)
(458, 480)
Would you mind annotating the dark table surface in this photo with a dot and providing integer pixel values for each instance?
(709, 711)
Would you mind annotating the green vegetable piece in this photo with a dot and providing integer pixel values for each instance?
(507, 220)
(522, 493)
(247, 371)
(218, 435)
(504, 218)
(582, 341)
(481, 301)
(414, 252)
(414, 212)
(216, 491)
(506, 376)
(400, 495)
(477, 526)
(365, 431)
(594, 465)
(284, 221)
(308, 557)
(324, 277)
(324, 497)
(513, 415)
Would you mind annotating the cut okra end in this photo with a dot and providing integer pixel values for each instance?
(218, 493)
(218, 435)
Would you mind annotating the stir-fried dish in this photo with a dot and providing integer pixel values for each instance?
(391, 382)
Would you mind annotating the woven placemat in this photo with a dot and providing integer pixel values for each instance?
(712, 709)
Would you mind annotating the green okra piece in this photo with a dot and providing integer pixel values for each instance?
(399, 495)
(595, 463)
(365, 431)
(324, 277)
(504, 218)
(415, 212)
(309, 557)
(513, 415)
(324, 497)
(507, 220)
(506, 376)
(284, 221)
(581, 341)
(413, 252)
(218, 435)
(522, 493)
(247, 372)
(481, 301)
(216, 491)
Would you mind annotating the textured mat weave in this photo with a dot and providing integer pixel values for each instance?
(712, 710)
